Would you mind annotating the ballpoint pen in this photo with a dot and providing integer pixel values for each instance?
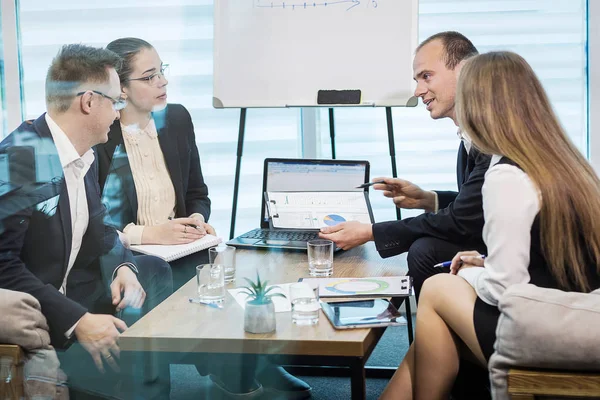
(364, 185)
(213, 305)
(447, 264)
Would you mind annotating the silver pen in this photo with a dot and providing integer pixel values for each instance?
(197, 301)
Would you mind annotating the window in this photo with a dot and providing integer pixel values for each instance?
(550, 35)
(3, 160)
(182, 33)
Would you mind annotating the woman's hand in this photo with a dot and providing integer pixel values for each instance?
(466, 259)
(203, 226)
(174, 231)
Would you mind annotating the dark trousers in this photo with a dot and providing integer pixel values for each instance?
(472, 381)
(156, 279)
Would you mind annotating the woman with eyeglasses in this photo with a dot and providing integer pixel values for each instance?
(149, 169)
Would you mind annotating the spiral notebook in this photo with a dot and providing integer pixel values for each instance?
(176, 251)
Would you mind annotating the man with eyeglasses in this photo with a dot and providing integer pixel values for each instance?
(54, 244)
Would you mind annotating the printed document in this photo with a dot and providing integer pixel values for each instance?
(315, 210)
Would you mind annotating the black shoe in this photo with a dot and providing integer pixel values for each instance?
(233, 390)
(278, 382)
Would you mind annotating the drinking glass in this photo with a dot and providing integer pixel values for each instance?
(305, 303)
(211, 283)
(225, 256)
(320, 257)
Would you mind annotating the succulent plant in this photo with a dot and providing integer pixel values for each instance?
(258, 293)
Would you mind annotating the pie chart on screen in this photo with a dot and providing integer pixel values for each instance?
(333, 219)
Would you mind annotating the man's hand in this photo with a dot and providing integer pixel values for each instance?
(127, 284)
(98, 334)
(466, 259)
(174, 231)
(347, 235)
(406, 194)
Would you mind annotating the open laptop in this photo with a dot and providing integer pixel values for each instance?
(323, 179)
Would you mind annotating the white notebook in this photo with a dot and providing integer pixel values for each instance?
(175, 251)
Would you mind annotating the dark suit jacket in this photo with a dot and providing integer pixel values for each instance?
(459, 219)
(178, 144)
(35, 236)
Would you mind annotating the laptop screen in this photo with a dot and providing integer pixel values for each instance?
(302, 175)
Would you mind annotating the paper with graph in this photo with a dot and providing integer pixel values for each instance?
(315, 210)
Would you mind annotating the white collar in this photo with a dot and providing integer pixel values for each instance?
(66, 151)
(466, 141)
(495, 159)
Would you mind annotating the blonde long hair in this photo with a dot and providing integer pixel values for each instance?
(503, 107)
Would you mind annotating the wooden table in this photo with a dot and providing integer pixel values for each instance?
(176, 326)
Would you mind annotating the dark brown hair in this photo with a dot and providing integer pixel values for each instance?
(127, 48)
(456, 47)
(74, 65)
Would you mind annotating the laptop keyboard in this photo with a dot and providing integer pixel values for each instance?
(280, 235)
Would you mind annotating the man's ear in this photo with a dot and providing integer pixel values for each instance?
(85, 102)
(123, 92)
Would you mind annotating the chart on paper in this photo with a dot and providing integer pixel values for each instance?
(344, 5)
(314, 210)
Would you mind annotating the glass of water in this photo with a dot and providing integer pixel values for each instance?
(211, 283)
(225, 256)
(305, 303)
(320, 257)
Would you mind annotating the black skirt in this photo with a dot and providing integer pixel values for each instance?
(485, 319)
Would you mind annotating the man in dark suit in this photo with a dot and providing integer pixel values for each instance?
(453, 221)
(54, 244)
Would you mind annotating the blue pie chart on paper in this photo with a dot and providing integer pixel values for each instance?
(333, 219)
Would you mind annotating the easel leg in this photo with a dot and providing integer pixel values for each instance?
(332, 132)
(390, 129)
(238, 164)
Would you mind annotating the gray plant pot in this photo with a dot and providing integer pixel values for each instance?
(259, 318)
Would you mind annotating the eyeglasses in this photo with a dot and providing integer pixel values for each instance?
(154, 79)
(118, 104)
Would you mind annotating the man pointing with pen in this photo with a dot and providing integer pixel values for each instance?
(453, 221)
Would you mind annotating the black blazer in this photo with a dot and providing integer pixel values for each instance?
(459, 219)
(178, 144)
(35, 235)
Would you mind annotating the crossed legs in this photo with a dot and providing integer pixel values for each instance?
(444, 334)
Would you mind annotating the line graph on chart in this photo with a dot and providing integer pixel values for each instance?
(293, 5)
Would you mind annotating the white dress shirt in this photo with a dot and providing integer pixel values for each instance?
(467, 143)
(74, 168)
(511, 202)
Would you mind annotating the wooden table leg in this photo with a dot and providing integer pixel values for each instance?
(358, 378)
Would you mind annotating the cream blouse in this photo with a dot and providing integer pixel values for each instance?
(153, 185)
